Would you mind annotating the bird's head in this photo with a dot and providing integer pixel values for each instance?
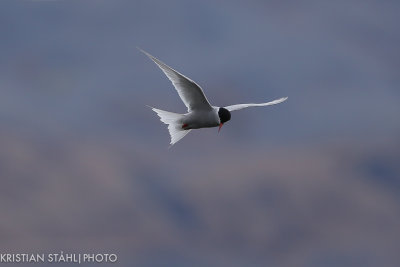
(224, 116)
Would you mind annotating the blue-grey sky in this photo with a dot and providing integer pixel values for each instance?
(85, 165)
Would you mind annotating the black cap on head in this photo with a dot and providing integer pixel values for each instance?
(224, 115)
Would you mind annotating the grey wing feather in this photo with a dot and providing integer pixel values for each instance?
(242, 106)
(191, 94)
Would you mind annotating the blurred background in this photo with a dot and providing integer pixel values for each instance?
(85, 165)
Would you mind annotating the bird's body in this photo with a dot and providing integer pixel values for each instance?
(201, 119)
(200, 113)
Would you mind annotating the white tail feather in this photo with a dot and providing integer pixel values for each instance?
(174, 121)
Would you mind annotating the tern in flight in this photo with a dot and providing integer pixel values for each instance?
(201, 114)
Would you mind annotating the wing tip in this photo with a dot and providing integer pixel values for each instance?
(144, 52)
(149, 106)
(140, 49)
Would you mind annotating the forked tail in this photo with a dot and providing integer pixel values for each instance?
(174, 121)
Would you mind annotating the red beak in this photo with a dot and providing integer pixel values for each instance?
(220, 126)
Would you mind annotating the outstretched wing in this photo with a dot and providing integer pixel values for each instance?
(242, 106)
(191, 94)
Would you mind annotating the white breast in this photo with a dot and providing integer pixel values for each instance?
(202, 119)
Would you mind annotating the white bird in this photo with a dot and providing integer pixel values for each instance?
(200, 113)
